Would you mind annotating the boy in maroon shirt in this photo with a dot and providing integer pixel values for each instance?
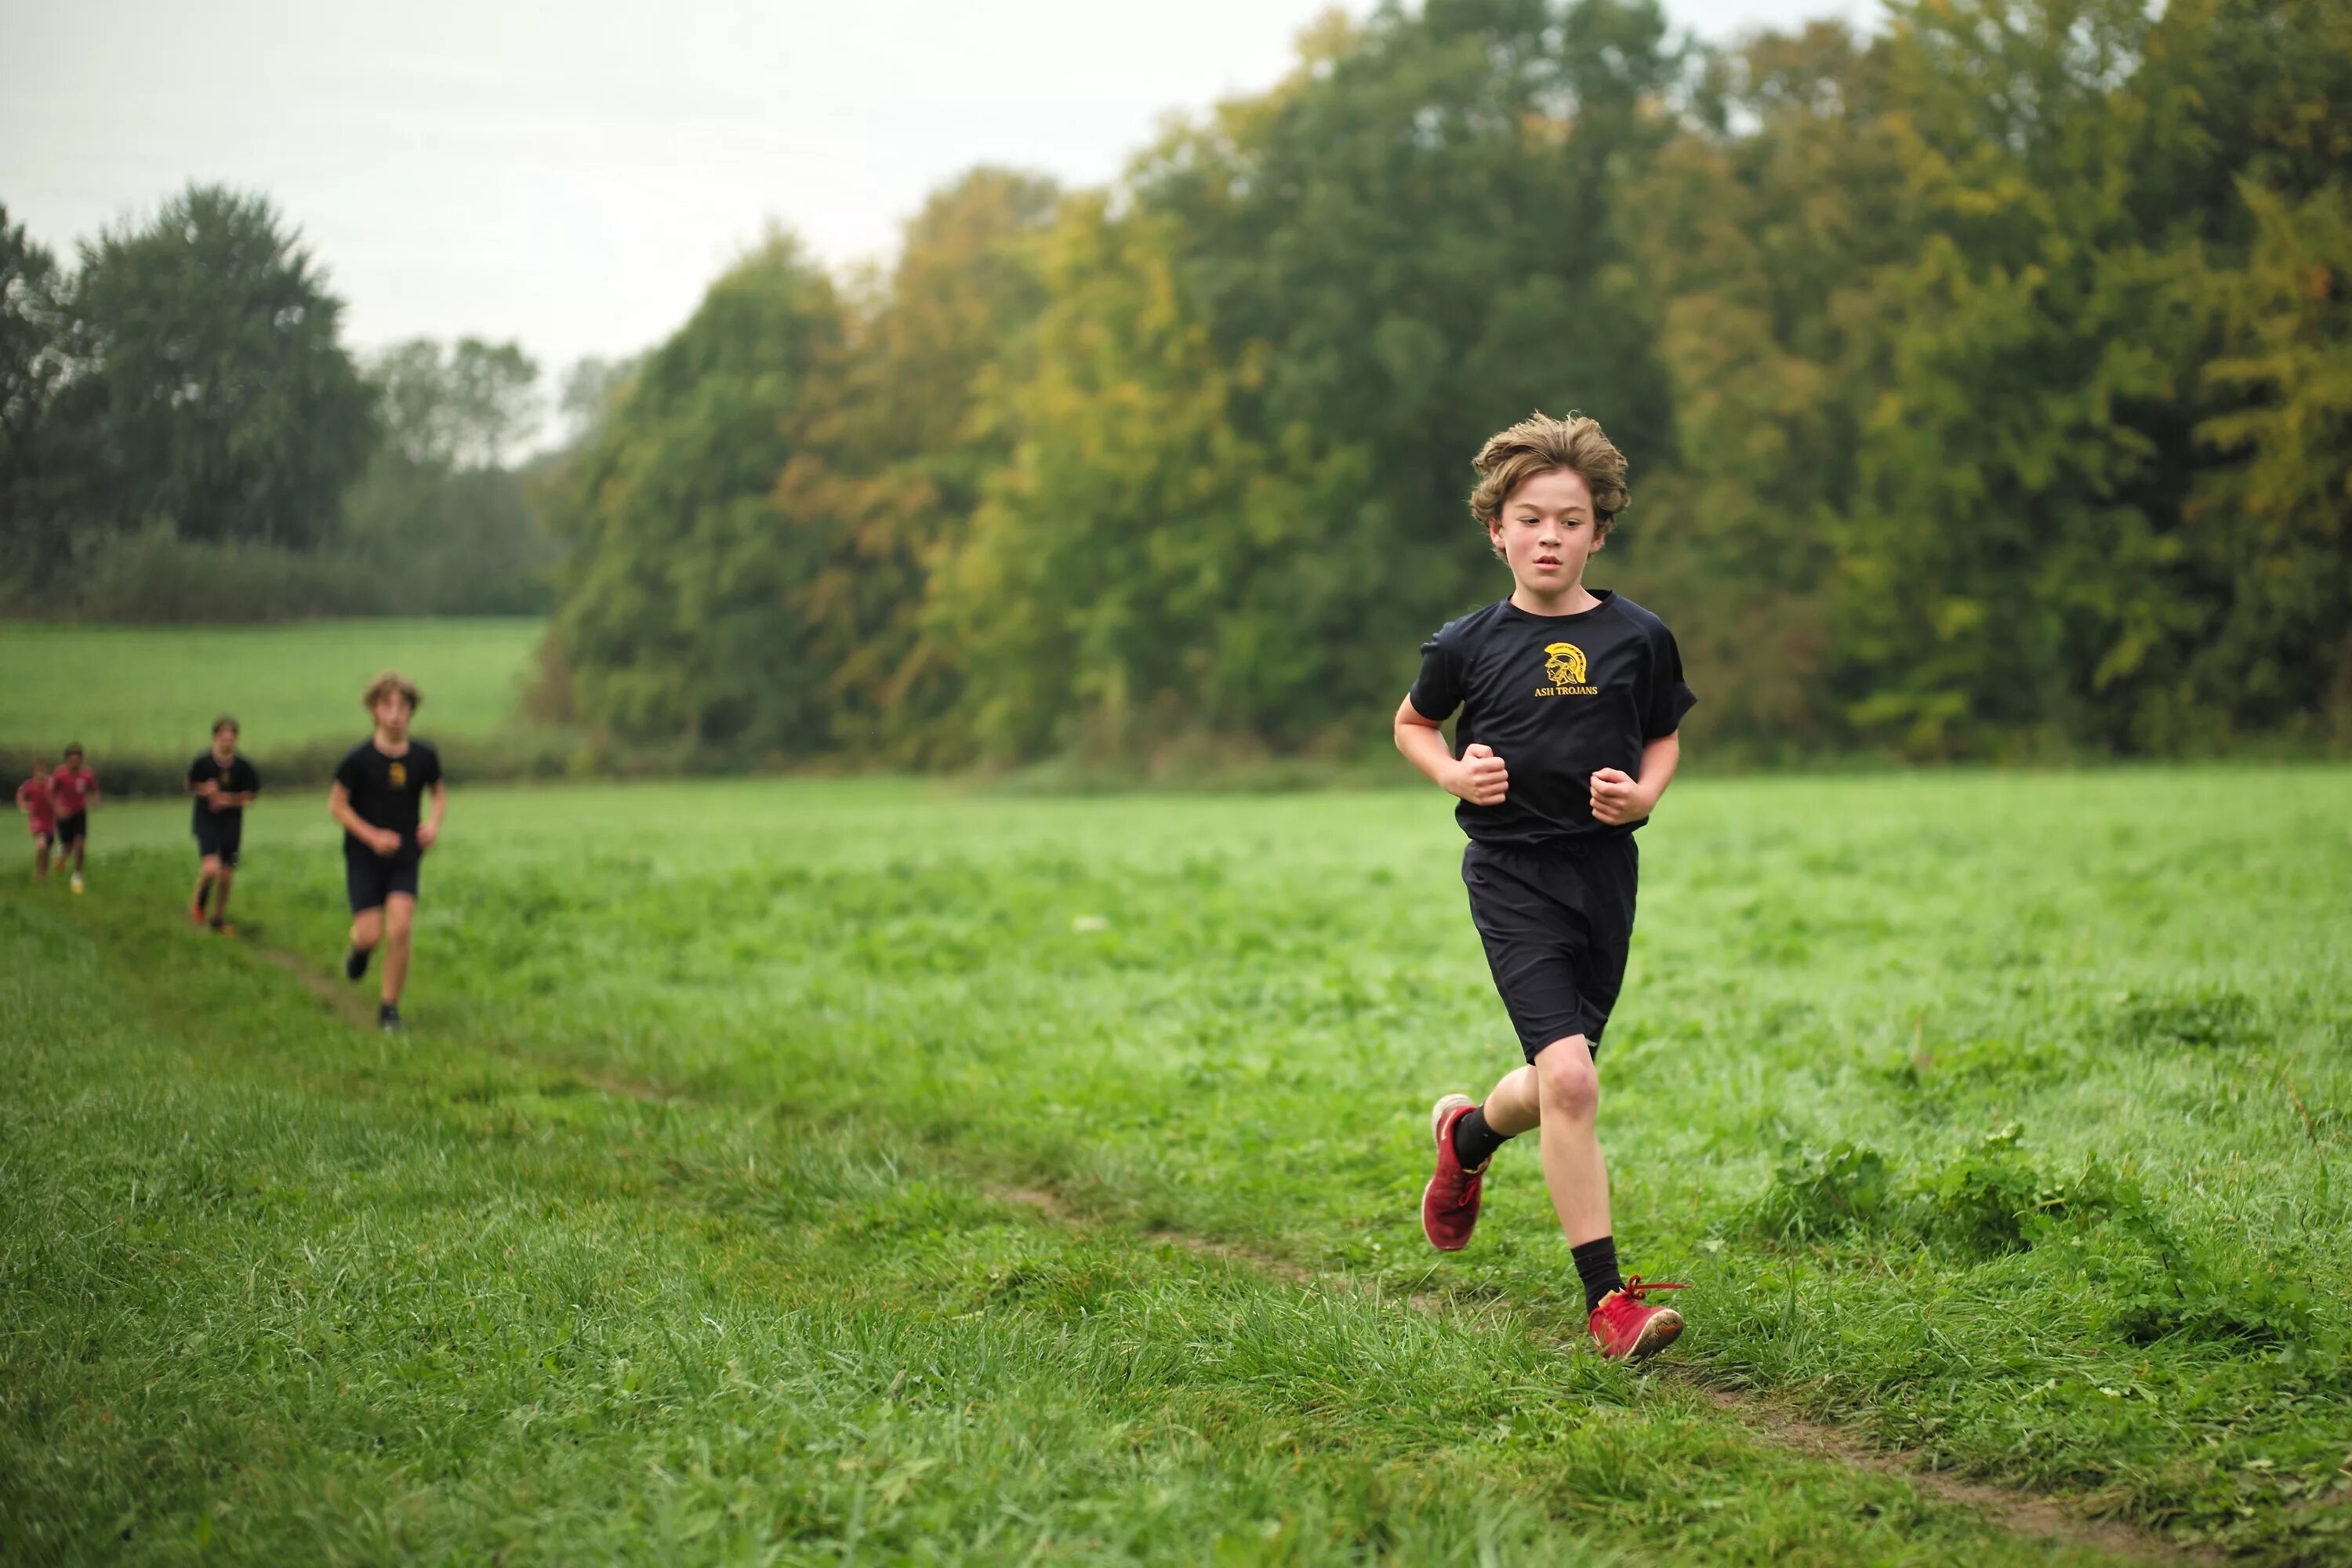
(73, 790)
(33, 800)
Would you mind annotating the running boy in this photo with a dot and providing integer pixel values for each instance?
(1570, 700)
(40, 816)
(378, 788)
(224, 784)
(73, 790)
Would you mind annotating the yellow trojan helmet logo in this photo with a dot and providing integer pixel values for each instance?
(399, 775)
(1564, 664)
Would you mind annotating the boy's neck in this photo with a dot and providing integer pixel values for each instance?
(224, 757)
(1572, 600)
(391, 745)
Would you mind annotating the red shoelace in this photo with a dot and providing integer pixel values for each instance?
(1635, 1285)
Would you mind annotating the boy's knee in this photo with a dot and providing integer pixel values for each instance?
(398, 916)
(367, 928)
(1565, 1072)
(211, 866)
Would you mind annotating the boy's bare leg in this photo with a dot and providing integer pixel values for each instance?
(1512, 1106)
(40, 859)
(226, 879)
(367, 930)
(205, 875)
(399, 916)
(1560, 1092)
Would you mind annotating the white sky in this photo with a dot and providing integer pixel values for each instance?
(573, 174)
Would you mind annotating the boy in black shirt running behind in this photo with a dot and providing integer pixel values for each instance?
(378, 788)
(224, 784)
(1570, 700)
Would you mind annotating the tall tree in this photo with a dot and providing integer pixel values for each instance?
(679, 616)
(35, 472)
(909, 444)
(1142, 571)
(465, 405)
(213, 370)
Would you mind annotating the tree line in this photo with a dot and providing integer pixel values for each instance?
(184, 435)
(1987, 380)
(1988, 383)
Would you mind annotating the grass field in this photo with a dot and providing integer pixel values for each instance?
(151, 692)
(819, 1173)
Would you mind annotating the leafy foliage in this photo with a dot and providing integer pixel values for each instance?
(1985, 382)
(680, 614)
(211, 370)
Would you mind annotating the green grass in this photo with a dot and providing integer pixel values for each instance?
(1993, 1118)
(152, 691)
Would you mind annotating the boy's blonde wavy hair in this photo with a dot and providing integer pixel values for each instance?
(1543, 444)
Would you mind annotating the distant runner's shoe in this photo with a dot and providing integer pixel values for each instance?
(222, 928)
(355, 962)
(196, 915)
(1627, 1329)
(387, 1018)
(1449, 1205)
(76, 882)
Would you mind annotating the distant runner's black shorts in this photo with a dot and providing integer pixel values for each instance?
(1556, 923)
(371, 878)
(216, 837)
(72, 830)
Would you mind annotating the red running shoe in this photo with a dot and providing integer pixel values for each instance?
(1627, 1329)
(1449, 1205)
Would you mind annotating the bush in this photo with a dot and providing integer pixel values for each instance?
(156, 576)
(1816, 1192)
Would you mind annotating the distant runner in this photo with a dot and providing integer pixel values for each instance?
(379, 788)
(40, 816)
(1571, 701)
(73, 790)
(224, 784)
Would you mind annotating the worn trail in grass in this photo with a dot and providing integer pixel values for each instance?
(1991, 1115)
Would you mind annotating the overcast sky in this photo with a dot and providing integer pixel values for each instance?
(572, 175)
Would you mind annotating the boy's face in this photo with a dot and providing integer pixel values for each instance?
(225, 741)
(73, 759)
(392, 712)
(1546, 532)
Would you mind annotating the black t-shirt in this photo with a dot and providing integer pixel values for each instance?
(237, 778)
(1559, 698)
(386, 791)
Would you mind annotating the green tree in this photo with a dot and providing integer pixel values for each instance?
(1141, 570)
(1410, 243)
(680, 614)
(210, 366)
(36, 471)
(906, 450)
(465, 405)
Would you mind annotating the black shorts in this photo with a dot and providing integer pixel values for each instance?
(72, 830)
(1556, 923)
(371, 878)
(220, 836)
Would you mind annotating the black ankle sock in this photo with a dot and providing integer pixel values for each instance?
(203, 895)
(1474, 1142)
(1596, 1265)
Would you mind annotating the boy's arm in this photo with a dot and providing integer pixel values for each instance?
(339, 807)
(430, 828)
(1478, 776)
(1617, 799)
